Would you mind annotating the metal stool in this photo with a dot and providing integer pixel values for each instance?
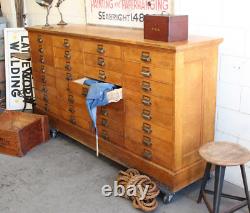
(27, 92)
(223, 154)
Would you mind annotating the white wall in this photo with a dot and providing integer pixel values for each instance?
(228, 19)
(224, 18)
(8, 9)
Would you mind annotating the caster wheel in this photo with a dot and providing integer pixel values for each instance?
(53, 133)
(167, 198)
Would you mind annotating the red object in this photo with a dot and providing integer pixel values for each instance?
(20, 132)
(166, 28)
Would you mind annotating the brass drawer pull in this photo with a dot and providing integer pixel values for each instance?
(68, 67)
(102, 75)
(147, 128)
(44, 90)
(40, 39)
(145, 72)
(66, 43)
(46, 108)
(45, 98)
(42, 69)
(84, 91)
(67, 55)
(41, 50)
(104, 122)
(145, 56)
(43, 80)
(100, 49)
(71, 99)
(42, 60)
(146, 100)
(104, 135)
(72, 120)
(146, 114)
(147, 154)
(146, 141)
(104, 112)
(71, 109)
(69, 77)
(146, 86)
(101, 62)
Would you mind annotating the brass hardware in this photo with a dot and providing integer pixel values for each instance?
(146, 100)
(100, 49)
(67, 55)
(45, 97)
(104, 112)
(147, 128)
(44, 89)
(102, 75)
(71, 99)
(156, 29)
(145, 72)
(41, 50)
(69, 77)
(72, 120)
(46, 108)
(42, 60)
(101, 62)
(42, 69)
(66, 43)
(43, 80)
(146, 86)
(146, 114)
(71, 109)
(104, 122)
(84, 91)
(40, 39)
(147, 154)
(145, 56)
(104, 135)
(68, 67)
(146, 141)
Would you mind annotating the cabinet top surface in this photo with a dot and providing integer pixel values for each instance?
(123, 35)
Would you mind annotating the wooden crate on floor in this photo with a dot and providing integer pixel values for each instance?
(20, 132)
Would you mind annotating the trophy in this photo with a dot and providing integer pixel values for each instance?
(62, 22)
(48, 5)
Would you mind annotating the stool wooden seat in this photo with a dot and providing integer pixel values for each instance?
(223, 154)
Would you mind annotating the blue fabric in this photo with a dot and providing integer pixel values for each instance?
(97, 96)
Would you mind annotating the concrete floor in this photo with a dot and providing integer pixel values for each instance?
(63, 176)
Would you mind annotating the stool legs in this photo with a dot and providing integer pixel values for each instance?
(244, 178)
(204, 180)
(218, 185)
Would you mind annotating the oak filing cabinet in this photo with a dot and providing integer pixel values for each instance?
(169, 89)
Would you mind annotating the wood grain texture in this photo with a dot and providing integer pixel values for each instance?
(169, 91)
(225, 154)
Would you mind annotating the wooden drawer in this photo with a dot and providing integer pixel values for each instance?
(103, 75)
(45, 80)
(110, 124)
(66, 75)
(148, 87)
(103, 62)
(109, 112)
(149, 102)
(104, 49)
(46, 107)
(148, 128)
(148, 72)
(38, 40)
(40, 68)
(48, 95)
(45, 58)
(68, 43)
(109, 135)
(150, 148)
(148, 115)
(147, 56)
(70, 67)
(68, 55)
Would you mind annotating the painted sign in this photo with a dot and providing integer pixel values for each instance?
(125, 13)
(16, 41)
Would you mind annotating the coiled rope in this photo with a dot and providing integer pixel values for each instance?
(132, 177)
